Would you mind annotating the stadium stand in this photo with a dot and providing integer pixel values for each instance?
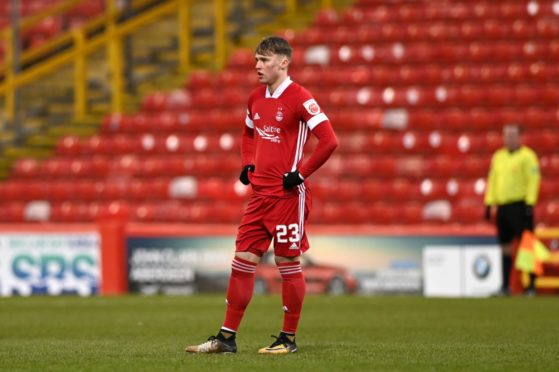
(50, 26)
(417, 91)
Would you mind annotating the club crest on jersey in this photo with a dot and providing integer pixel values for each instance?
(279, 116)
(312, 107)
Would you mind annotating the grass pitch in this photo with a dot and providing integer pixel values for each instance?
(133, 333)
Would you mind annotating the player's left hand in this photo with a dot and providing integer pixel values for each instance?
(292, 179)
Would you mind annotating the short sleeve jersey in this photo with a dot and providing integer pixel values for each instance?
(281, 123)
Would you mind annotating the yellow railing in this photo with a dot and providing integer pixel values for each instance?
(81, 45)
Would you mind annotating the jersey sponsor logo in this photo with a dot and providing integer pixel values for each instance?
(269, 133)
(256, 116)
(312, 107)
(294, 246)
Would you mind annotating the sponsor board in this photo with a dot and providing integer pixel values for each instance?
(49, 264)
(178, 265)
(379, 264)
(462, 271)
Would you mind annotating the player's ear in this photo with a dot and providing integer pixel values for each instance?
(284, 62)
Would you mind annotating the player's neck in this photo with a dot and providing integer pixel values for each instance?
(272, 87)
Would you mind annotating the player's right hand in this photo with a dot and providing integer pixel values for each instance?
(243, 177)
(488, 213)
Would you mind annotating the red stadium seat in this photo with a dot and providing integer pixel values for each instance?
(242, 59)
(329, 17)
(200, 79)
(12, 212)
(26, 167)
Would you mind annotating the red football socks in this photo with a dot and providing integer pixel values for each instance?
(293, 294)
(239, 292)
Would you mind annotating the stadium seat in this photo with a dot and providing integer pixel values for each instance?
(12, 212)
(242, 59)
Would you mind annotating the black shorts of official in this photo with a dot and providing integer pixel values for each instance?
(512, 221)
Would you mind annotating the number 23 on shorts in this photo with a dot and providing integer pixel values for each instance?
(287, 233)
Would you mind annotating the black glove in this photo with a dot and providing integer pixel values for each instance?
(243, 177)
(292, 179)
(488, 213)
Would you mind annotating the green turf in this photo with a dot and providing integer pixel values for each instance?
(336, 333)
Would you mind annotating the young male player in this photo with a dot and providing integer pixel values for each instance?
(280, 115)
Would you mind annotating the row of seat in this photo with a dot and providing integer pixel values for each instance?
(406, 11)
(448, 119)
(497, 27)
(342, 164)
(159, 117)
(506, 73)
(357, 52)
(365, 52)
(468, 211)
(347, 48)
(125, 188)
(375, 95)
(410, 141)
(72, 212)
(441, 96)
(194, 120)
(413, 167)
(143, 143)
(99, 166)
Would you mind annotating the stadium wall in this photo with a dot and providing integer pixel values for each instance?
(113, 257)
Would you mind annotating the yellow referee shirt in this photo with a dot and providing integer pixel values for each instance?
(514, 176)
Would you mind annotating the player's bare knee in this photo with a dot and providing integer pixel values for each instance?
(248, 256)
(282, 259)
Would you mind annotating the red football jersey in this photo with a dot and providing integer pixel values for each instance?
(281, 123)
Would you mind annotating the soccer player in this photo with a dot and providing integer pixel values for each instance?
(280, 115)
(513, 185)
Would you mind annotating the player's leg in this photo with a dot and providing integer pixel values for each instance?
(251, 234)
(239, 291)
(289, 242)
(293, 295)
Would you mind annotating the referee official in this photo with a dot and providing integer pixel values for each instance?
(513, 184)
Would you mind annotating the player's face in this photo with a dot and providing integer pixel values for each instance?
(511, 137)
(270, 67)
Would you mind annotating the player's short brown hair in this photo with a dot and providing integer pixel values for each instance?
(274, 45)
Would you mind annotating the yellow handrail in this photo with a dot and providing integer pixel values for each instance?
(184, 36)
(81, 44)
(80, 76)
(219, 33)
(114, 51)
(110, 39)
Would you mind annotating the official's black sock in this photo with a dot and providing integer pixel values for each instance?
(507, 263)
(532, 284)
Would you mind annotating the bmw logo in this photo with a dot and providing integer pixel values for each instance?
(481, 267)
